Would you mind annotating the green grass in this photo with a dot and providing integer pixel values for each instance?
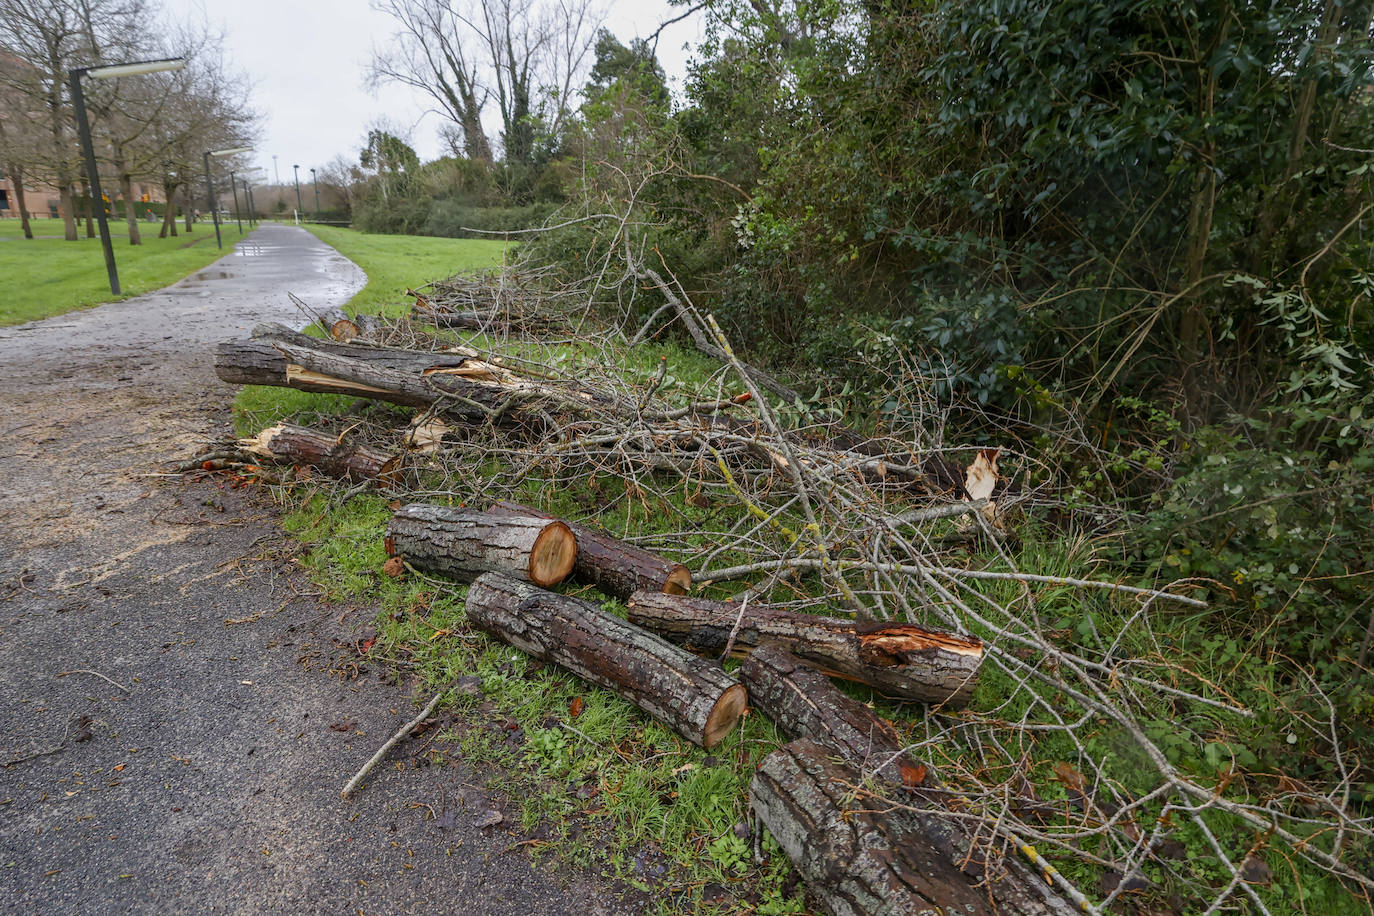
(395, 262)
(42, 277)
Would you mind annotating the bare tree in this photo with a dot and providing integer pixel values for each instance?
(527, 55)
(429, 53)
(46, 39)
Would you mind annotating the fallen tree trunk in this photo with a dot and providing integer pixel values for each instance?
(617, 568)
(900, 660)
(473, 389)
(496, 320)
(464, 543)
(693, 697)
(858, 861)
(803, 703)
(300, 445)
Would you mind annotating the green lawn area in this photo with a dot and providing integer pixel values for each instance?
(41, 277)
(394, 262)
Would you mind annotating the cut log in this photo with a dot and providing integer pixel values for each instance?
(803, 703)
(900, 660)
(858, 861)
(336, 457)
(617, 568)
(693, 697)
(464, 543)
(341, 326)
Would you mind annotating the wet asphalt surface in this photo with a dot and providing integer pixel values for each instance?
(187, 707)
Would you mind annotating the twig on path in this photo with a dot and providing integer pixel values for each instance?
(395, 739)
(97, 674)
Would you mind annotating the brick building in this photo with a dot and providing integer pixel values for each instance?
(41, 201)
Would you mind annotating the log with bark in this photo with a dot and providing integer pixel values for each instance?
(693, 697)
(464, 385)
(803, 703)
(617, 568)
(859, 859)
(470, 388)
(899, 660)
(481, 321)
(464, 543)
(329, 453)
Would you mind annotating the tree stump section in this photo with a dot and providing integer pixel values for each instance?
(859, 861)
(300, 445)
(464, 543)
(616, 568)
(900, 660)
(693, 697)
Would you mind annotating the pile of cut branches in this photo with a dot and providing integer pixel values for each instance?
(1065, 752)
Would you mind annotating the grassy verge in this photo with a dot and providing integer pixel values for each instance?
(394, 262)
(42, 277)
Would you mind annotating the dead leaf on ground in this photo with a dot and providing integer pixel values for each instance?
(575, 707)
(913, 776)
(345, 726)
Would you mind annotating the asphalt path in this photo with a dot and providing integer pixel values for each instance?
(178, 711)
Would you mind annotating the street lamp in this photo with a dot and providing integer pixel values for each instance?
(234, 189)
(316, 182)
(210, 187)
(74, 77)
(255, 174)
(297, 170)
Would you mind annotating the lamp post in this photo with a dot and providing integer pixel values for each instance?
(210, 186)
(234, 188)
(254, 174)
(316, 182)
(297, 170)
(74, 77)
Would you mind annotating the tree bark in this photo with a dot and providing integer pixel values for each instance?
(858, 861)
(803, 703)
(17, 171)
(691, 696)
(616, 568)
(352, 461)
(464, 543)
(126, 191)
(899, 660)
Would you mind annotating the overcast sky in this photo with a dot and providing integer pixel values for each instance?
(306, 60)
